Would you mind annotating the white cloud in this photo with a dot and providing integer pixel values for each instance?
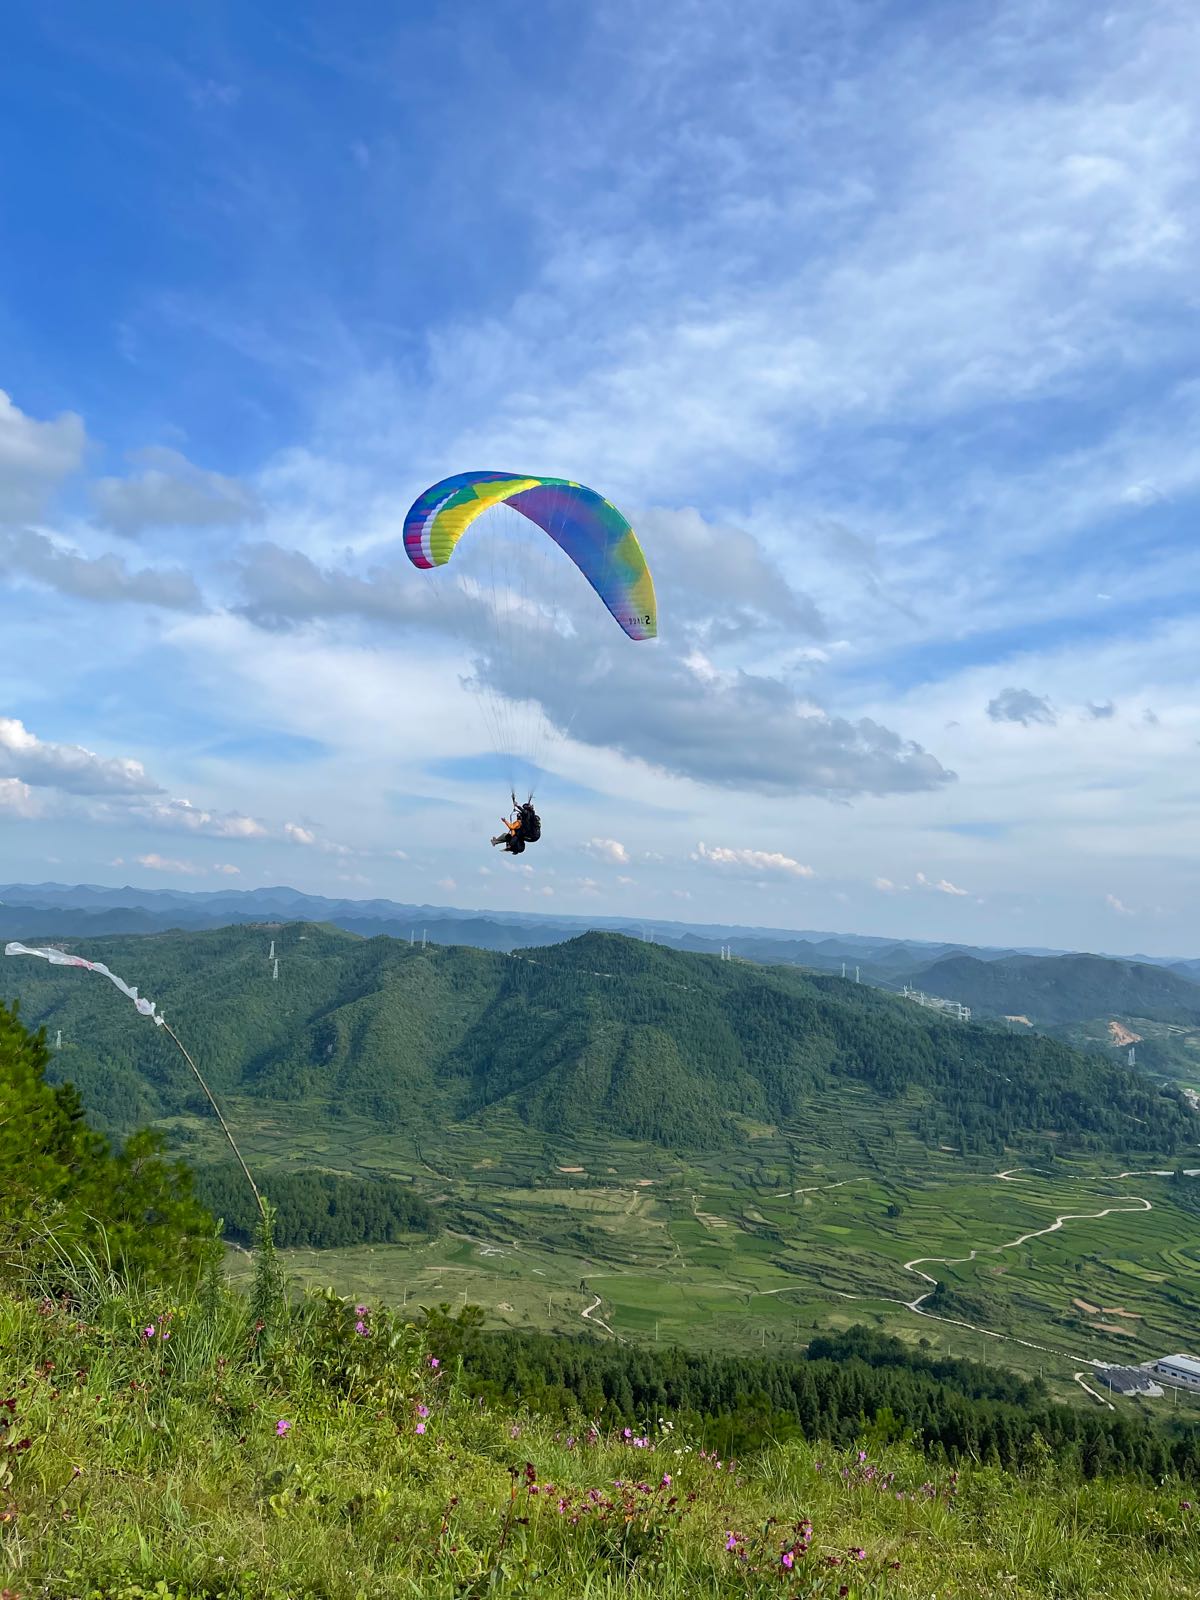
(299, 835)
(942, 885)
(1141, 494)
(885, 885)
(34, 457)
(753, 860)
(157, 863)
(1118, 906)
(448, 884)
(105, 580)
(170, 492)
(17, 799)
(608, 850)
(68, 767)
(182, 814)
(1021, 705)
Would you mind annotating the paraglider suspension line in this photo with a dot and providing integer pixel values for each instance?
(217, 1110)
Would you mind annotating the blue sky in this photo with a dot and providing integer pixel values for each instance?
(878, 320)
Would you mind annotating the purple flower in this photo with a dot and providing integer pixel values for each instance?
(787, 1560)
(1185, 1505)
(361, 1311)
(434, 1363)
(730, 1541)
(148, 1332)
(420, 1427)
(360, 1327)
(628, 1433)
(859, 1553)
(422, 1411)
(666, 1481)
(282, 1427)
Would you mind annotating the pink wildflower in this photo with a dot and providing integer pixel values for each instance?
(730, 1541)
(420, 1427)
(859, 1554)
(434, 1363)
(361, 1311)
(787, 1561)
(282, 1427)
(148, 1332)
(422, 1411)
(666, 1481)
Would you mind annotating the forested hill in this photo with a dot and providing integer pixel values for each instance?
(601, 1034)
(1059, 989)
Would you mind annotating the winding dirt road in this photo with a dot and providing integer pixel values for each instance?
(598, 1322)
(992, 1249)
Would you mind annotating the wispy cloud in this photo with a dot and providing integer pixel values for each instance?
(170, 492)
(191, 869)
(940, 885)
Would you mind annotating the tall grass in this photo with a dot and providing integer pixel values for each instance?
(190, 1447)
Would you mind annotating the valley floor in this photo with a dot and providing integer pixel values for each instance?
(1048, 1270)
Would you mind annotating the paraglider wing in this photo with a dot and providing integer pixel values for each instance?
(586, 527)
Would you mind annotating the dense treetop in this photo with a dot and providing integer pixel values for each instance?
(64, 1189)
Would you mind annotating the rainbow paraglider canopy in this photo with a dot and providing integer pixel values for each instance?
(586, 526)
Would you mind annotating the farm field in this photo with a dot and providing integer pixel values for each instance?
(762, 1248)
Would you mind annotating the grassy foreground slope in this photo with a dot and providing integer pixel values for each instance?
(155, 1446)
(164, 1438)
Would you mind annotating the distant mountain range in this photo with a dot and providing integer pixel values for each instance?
(1049, 989)
(79, 909)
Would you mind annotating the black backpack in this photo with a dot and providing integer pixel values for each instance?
(531, 824)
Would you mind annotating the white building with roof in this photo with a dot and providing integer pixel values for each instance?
(1182, 1370)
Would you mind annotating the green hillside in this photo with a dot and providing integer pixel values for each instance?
(1050, 990)
(600, 1035)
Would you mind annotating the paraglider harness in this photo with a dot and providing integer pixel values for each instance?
(523, 827)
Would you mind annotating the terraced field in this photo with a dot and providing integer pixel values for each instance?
(764, 1249)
